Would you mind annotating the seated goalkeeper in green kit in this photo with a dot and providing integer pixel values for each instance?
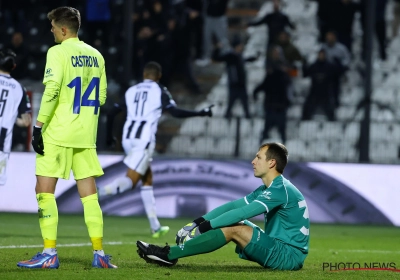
(282, 245)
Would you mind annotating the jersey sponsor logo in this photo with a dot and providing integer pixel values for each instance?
(40, 212)
(266, 194)
(48, 73)
(84, 61)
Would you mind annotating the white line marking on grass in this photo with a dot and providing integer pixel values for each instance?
(62, 245)
(366, 251)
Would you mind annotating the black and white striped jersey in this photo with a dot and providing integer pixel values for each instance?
(13, 102)
(145, 103)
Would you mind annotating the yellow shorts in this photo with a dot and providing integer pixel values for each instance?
(58, 161)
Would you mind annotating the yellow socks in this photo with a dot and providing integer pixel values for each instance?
(48, 218)
(93, 220)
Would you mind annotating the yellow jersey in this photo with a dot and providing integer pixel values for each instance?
(75, 88)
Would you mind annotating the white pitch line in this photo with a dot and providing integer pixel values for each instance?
(359, 251)
(367, 251)
(61, 245)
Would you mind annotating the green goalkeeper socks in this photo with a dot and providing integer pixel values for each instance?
(204, 243)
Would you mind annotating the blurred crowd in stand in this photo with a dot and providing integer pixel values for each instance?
(182, 34)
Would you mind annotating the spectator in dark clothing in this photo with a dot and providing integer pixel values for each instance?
(324, 14)
(290, 52)
(380, 26)
(322, 74)
(396, 19)
(215, 24)
(275, 86)
(182, 46)
(18, 46)
(276, 22)
(337, 54)
(195, 25)
(343, 24)
(236, 75)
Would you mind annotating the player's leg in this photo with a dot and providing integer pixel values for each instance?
(86, 166)
(53, 165)
(3, 167)
(204, 243)
(149, 202)
(265, 250)
(137, 160)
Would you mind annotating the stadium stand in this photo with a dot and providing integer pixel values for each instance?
(318, 139)
(312, 140)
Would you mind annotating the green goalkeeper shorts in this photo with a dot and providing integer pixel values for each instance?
(271, 253)
(58, 162)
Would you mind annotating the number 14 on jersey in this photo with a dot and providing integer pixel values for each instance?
(85, 101)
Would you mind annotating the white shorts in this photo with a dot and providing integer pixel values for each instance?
(138, 154)
(3, 167)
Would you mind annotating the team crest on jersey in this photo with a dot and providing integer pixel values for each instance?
(266, 194)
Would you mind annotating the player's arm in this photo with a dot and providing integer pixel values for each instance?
(52, 80)
(182, 113)
(169, 105)
(263, 203)
(24, 118)
(235, 204)
(234, 216)
(103, 86)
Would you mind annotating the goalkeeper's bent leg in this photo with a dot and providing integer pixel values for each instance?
(94, 220)
(48, 218)
(204, 243)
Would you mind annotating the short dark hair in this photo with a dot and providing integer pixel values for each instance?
(278, 152)
(152, 68)
(67, 16)
(7, 60)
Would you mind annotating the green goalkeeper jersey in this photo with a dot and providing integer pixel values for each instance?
(76, 86)
(286, 214)
(284, 208)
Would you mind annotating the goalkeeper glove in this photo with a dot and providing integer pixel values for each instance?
(190, 226)
(37, 140)
(183, 232)
(206, 111)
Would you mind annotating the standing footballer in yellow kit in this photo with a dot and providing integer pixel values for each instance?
(64, 136)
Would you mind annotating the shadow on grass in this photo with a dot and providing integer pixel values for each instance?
(216, 267)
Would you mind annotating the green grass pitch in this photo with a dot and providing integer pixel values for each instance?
(20, 239)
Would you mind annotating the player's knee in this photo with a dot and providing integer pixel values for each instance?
(233, 232)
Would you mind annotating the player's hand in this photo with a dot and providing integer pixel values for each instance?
(183, 232)
(187, 228)
(37, 140)
(206, 111)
